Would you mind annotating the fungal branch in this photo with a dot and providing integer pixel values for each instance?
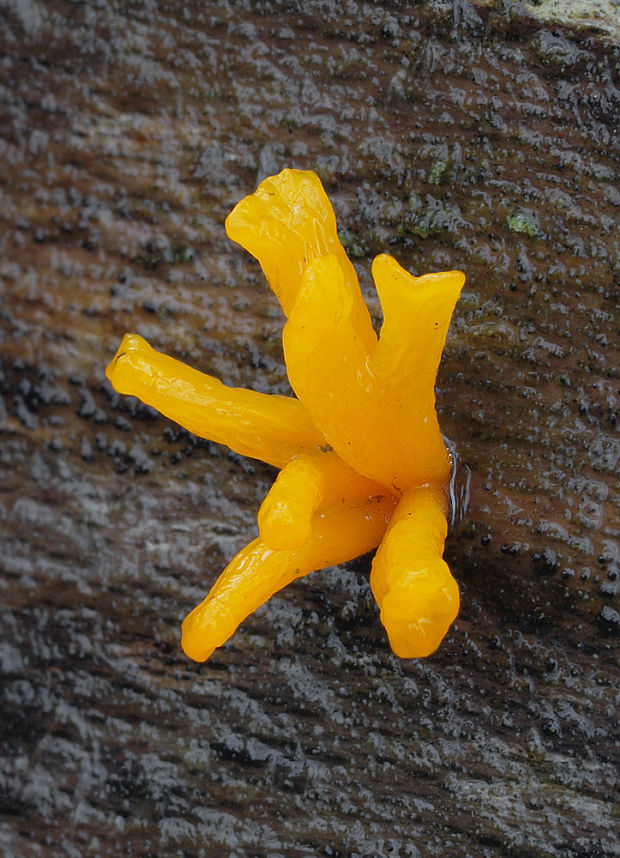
(362, 460)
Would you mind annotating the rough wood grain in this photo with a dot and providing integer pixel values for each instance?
(452, 136)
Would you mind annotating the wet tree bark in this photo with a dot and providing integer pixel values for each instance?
(452, 136)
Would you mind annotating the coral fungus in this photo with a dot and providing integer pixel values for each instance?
(362, 460)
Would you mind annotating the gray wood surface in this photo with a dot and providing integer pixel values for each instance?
(451, 136)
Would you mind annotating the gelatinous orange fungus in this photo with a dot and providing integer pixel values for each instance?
(362, 461)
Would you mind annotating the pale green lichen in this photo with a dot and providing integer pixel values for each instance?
(602, 14)
(521, 222)
(436, 172)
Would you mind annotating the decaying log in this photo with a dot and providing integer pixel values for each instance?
(452, 136)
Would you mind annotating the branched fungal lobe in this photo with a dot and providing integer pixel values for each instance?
(362, 459)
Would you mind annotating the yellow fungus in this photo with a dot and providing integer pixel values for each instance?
(362, 460)
(257, 571)
(398, 441)
(308, 483)
(417, 596)
(271, 428)
(286, 223)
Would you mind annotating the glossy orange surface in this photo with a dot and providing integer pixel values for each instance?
(362, 459)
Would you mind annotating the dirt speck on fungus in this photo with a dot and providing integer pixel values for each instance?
(452, 135)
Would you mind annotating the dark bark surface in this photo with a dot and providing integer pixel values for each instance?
(452, 136)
